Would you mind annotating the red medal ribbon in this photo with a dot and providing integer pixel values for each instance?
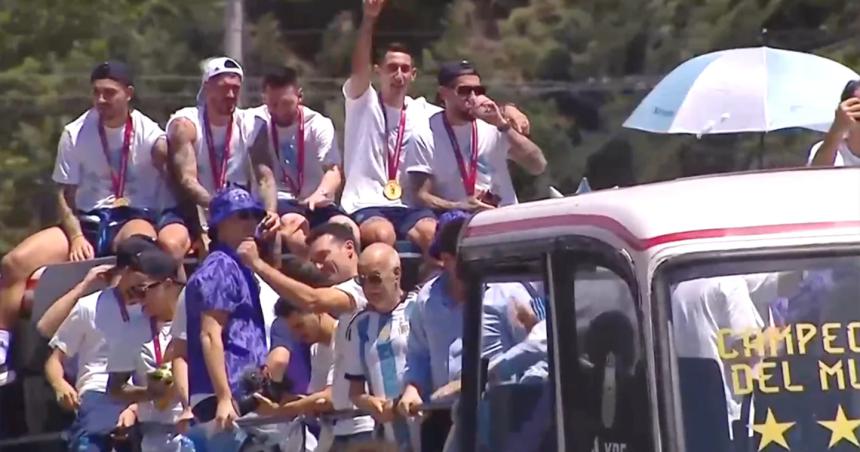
(156, 342)
(393, 157)
(219, 172)
(300, 152)
(470, 175)
(118, 180)
(123, 311)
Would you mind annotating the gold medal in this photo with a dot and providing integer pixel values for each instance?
(120, 202)
(392, 190)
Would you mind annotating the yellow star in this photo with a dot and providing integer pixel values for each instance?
(772, 431)
(842, 428)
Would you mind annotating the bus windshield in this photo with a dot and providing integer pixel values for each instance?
(767, 354)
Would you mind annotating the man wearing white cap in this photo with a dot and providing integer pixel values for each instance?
(208, 143)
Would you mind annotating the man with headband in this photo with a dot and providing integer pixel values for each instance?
(296, 153)
(208, 143)
(109, 168)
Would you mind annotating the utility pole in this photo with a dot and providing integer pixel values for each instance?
(234, 18)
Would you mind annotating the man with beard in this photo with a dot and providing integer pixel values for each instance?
(295, 150)
(208, 143)
(462, 162)
(108, 169)
(379, 127)
(332, 248)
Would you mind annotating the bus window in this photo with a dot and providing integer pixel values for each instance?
(516, 412)
(767, 354)
(612, 406)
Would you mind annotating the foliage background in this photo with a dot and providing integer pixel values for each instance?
(578, 67)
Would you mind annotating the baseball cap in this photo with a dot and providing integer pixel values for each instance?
(113, 70)
(451, 70)
(232, 200)
(214, 67)
(155, 263)
(442, 227)
(127, 249)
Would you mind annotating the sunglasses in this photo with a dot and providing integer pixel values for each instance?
(373, 280)
(465, 90)
(394, 67)
(248, 214)
(141, 290)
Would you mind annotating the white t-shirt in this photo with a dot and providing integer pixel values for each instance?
(322, 365)
(79, 337)
(321, 150)
(81, 162)
(340, 386)
(703, 307)
(145, 363)
(179, 326)
(238, 166)
(433, 153)
(366, 147)
(844, 156)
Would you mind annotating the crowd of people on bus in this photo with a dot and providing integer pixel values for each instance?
(332, 327)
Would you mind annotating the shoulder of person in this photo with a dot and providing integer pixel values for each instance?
(87, 118)
(215, 264)
(362, 316)
(427, 290)
(191, 113)
(143, 120)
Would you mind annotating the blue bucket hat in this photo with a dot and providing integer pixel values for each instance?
(444, 220)
(232, 200)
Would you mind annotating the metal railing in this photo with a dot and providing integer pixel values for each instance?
(245, 422)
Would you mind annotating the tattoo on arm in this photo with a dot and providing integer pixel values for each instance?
(183, 159)
(525, 153)
(66, 208)
(264, 170)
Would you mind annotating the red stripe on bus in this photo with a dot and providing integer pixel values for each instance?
(613, 226)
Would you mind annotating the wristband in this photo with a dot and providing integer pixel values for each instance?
(504, 127)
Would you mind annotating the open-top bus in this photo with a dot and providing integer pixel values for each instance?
(718, 313)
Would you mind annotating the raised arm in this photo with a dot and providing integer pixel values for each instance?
(846, 115)
(60, 309)
(359, 79)
(183, 161)
(523, 151)
(319, 300)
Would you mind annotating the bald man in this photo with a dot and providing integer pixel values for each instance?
(376, 347)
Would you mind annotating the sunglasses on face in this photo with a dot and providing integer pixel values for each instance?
(248, 215)
(465, 90)
(394, 67)
(141, 290)
(369, 280)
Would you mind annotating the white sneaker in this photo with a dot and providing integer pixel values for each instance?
(7, 375)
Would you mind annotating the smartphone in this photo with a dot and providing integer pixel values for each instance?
(490, 198)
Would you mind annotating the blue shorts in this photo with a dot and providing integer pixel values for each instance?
(173, 215)
(100, 226)
(316, 217)
(402, 218)
(96, 418)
